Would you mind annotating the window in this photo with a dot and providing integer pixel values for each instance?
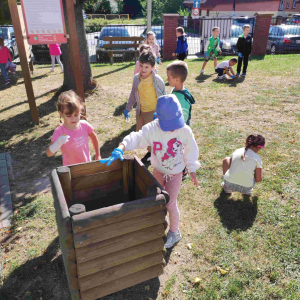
(207, 12)
(288, 5)
(294, 3)
(281, 5)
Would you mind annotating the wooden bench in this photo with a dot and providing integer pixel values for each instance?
(113, 48)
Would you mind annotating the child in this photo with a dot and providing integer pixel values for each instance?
(176, 75)
(4, 58)
(73, 135)
(243, 168)
(224, 67)
(173, 147)
(182, 45)
(55, 52)
(137, 64)
(147, 87)
(212, 48)
(244, 46)
(150, 40)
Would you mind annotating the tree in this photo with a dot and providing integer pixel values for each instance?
(5, 18)
(69, 76)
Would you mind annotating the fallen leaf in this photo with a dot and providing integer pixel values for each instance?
(19, 228)
(197, 280)
(189, 246)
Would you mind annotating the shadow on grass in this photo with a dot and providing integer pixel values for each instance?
(108, 147)
(236, 214)
(230, 82)
(202, 77)
(119, 110)
(114, 71)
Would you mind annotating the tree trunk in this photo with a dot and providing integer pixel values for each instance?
(69, 78)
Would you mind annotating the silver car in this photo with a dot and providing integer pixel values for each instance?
(8, 33)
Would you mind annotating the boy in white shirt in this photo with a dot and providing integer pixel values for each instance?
(173, 147)
(224, 67)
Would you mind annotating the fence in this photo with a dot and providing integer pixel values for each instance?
(107, 17)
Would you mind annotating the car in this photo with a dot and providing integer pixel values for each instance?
(228, 46)
(8, 33)
(284, 38)
(159, 34)
(112, 31)
(294, 20)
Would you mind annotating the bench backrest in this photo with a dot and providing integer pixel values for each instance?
(111, 39)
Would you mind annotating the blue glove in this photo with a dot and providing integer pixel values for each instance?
(206, 54)
(232, 76)
(126, 114)
(154, 116)
(116, 154)
(157, 60)
(240, 54)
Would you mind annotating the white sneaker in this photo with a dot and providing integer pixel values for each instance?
(226, 190)
(220, 77)
(202, 71)
(51, 70)
(224, 76)
(172, 238)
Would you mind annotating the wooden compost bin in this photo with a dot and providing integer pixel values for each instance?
(119, 241)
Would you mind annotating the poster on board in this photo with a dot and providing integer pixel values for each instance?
(44, 21)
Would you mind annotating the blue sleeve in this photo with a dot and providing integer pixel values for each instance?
(178, 48)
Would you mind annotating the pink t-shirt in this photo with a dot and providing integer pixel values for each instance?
(137, 68)
(76, 150)
(54, 49)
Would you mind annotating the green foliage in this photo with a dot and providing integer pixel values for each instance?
(184, 12)
(103, 7)
(120, 5)
(5, 18)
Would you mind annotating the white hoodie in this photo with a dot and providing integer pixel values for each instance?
(170, 151)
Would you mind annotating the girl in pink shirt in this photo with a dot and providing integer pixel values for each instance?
(150, 40)
(4, 58)
(72, 137)
(55, 53)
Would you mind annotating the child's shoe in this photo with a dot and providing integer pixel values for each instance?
(185, 174)
(238, 75)
(226, 190)
(220, 77)
(244, 74)
(224, 76)
(51, 70)
(7, 81)
(202, 71)
(146, 159)
(172, 239)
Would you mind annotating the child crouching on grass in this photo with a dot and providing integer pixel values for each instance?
(72, 136)
(225, 67)
(243, 168)
(173, 147)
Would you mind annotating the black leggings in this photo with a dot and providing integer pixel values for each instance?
(182, 56)
(243, 59)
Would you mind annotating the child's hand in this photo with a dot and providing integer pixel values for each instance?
(173, 54)
(160, 62)
(194, 178)
(116, 154)
(220, 52)
(154, 116)
(240, 54)
(61, 140)
(232, 76)
(206, 54)
(97, 157)
(126, 115)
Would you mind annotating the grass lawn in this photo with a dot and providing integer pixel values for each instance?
(239, 248)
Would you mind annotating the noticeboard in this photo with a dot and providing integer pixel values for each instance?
(44, 21)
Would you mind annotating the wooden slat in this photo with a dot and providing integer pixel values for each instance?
(112, 46)
(96, 180)
(120, 257)
(141, 185)
(93, 167)
(122, 283)
(119, 243)
(99, 278)
(117, 213)
(127, 176)
(116, 229)
(64, 175)
(122, 39)
(147, 190)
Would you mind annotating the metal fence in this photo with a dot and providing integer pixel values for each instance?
(284, 35)
(198, 31)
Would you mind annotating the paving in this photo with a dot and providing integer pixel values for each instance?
(6, 174)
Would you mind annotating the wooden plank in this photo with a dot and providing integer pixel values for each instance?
(64, 175)
(96, 180)
(122, 283)
(93, 167)
(127, 175)
(23, 59)
(117, 213)
(146, 190)
(122, 39)
(120, 257)
(102, 233)
(102, 277)
(119, 243)
(112, 46)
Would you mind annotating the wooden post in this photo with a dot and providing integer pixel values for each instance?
(74, 48)
(23, 59)
(64, 175)
(31, 66)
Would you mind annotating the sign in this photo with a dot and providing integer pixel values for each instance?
(196, 3)
(195, 13)
(44, 21)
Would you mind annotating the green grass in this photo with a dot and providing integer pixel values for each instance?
(256, 239)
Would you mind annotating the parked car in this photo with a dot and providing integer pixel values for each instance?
(284, 38)
(159, 34)
(8, 33)
(294, 20)
(228, 46)
(112, 31)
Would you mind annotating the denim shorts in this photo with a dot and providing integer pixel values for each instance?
(239, 188)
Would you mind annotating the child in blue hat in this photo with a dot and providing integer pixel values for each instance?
(173, 147)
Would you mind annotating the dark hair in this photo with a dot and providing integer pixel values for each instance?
(253, 140)
(144, 47)
(214, 28)
(71, 101)
(180, 29)
(147, 56)
(178, 69)
(234, 59)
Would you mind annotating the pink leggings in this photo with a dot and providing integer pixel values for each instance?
(171, 183)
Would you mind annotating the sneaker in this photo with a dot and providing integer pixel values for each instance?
(224, 76)
(61, 71)
(145, 160)
(238, 75)
(220, 77)
(202, 71)
(226, 190)
(172, 239)
(51, 70)
(185, 174)
(244, 74)
(7, 81)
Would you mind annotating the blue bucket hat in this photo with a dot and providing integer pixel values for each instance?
(169, 113)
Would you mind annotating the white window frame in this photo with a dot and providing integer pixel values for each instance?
(281, 6)
(294, 3)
